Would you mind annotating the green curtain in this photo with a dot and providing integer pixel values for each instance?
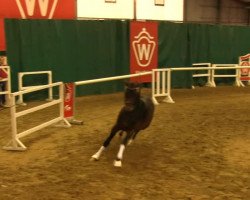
(78, 50)
(174, 52)
(218, 44)
(74, 50)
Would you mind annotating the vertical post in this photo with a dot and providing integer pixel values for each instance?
(61, 94)
(212, 76)
(163, 82)
(153, 87)
(158, 83)
(210, 82)
(14, 144)
(169, 81)
(135, 17)
(61, 97)
(13, 121)
(51, 88)
(20, 87)
(8, 103)
(238, 75)
(153, 84)
(168, 99)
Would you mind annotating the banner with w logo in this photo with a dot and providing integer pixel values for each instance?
(34, 9)
(143, 48)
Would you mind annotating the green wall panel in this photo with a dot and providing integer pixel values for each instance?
(73, 50)
(78, 50)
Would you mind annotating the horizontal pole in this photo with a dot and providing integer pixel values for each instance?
(223, 75)
(28, 87)
(161, 70)
(221, 65)
(4, 79)
(111, 78)
(4, 67)
(52, 103)
(37, 72)
(33, 89)
(207, 68)
(200, 64)
(5, 92)
(161, 94)
(39, 127)
(200, 75)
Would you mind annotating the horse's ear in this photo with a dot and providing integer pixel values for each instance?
(126, 83)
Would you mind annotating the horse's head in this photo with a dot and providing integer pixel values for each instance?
(132, 95)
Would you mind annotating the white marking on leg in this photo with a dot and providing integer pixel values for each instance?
(97, 155)
(121, 150)
(118, 161)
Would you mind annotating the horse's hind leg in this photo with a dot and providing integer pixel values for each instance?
(97, 155)
(132, 137)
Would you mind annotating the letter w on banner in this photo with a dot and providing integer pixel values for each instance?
(34, 9)
(143, 49)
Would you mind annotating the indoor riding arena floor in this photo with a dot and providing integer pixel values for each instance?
(195, 149)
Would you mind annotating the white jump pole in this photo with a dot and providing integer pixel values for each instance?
(15, 143)
(112, 78)
(21, 87)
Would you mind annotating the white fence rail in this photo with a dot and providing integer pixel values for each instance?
(21, 87)
(213, 68)
(208, 73)
(15, 143)
(235, 75)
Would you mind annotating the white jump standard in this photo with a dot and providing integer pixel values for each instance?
(15, 143)
(21, 87)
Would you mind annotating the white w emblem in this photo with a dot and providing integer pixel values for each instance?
(30, 7)
(143, 47)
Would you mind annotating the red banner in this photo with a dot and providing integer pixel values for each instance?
(69, 95)
(245, 72)
(143, 48)
(3, 62)
(34, 9)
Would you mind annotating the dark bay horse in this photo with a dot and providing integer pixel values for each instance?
(134, 116)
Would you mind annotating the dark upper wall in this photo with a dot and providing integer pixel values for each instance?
(234, 12)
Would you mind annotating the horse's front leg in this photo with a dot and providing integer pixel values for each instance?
(97, 155)
(118, 160)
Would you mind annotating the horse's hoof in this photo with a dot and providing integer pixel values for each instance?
(117, 163)
(94, 158)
